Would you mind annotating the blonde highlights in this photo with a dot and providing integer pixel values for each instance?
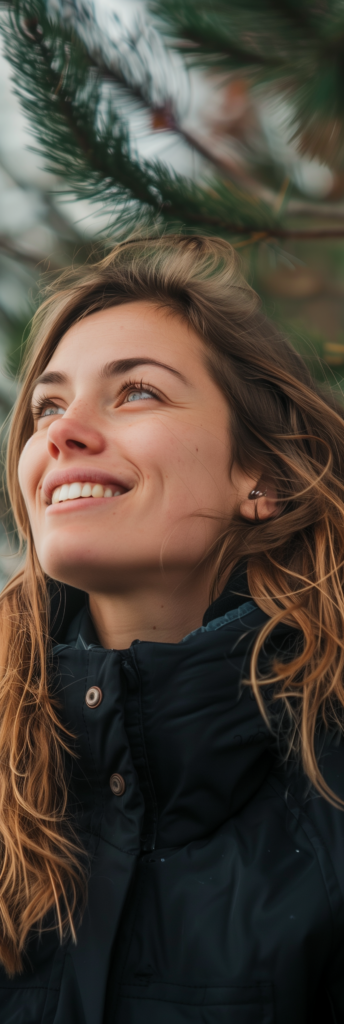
(283, 427)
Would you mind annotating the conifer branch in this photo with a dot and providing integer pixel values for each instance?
(84, 137)
(73, 101)
(296, 47)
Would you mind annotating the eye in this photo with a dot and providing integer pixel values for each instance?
(135, 396)
(43, 408)
(52, 410)
(135, 390)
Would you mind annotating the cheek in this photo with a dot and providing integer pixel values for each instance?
(198, 455)
(197, 464)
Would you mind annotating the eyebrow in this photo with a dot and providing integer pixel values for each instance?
(50, 377)
(113, 369)
(120, 366)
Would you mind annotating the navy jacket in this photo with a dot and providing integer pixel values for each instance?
(216, 890)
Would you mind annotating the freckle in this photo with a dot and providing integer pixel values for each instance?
(153, 627)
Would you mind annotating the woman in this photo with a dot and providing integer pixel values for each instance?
(172, 683)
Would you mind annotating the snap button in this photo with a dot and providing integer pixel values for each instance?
(117, 784)
(93, 697)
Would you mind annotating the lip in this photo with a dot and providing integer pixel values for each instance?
(67, 476)
(78, 505)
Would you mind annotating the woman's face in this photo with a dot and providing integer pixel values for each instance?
(131, 443)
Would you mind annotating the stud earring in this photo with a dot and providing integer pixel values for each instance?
(254, 494)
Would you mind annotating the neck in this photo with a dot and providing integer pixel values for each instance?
(163, 615)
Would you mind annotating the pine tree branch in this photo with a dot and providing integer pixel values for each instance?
(110, 64)
(85, 139)
(70, 100)
(228, 35)
(167, 115)
(89, 143)
(168, 119)
(297, 48)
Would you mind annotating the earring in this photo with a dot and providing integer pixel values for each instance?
(254, 494)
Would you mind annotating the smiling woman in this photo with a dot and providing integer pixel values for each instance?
(157, 445)
(172, 697)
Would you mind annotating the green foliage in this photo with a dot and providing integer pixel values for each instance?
(77, 103)
(75, 115)
(296, 45)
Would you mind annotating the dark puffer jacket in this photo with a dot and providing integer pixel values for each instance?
(216, 893)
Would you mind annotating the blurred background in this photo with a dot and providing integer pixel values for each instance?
(218, 117)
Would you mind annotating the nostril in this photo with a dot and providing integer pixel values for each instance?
(75, 444)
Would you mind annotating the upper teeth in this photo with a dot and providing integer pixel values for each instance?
(80, 490)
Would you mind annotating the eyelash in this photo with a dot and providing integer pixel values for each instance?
(128, 386)
(135, 385)
(40, 404)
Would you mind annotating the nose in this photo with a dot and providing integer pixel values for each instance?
(68, 434)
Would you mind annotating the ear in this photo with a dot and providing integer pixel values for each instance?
(265, 507)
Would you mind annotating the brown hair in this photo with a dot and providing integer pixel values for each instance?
(282, 426)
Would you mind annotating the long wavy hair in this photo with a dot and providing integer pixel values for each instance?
(283, 426)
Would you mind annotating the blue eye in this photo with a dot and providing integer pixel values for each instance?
(52, 410)
(135, 396)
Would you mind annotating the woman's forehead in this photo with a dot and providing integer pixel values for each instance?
(131, 330)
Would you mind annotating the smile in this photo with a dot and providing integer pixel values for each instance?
(78, 489)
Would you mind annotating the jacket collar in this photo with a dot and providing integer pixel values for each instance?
(205, 741)
(173, 716)
(236, 592)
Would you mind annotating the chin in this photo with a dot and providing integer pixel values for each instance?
(65, 564)
(98, 576)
